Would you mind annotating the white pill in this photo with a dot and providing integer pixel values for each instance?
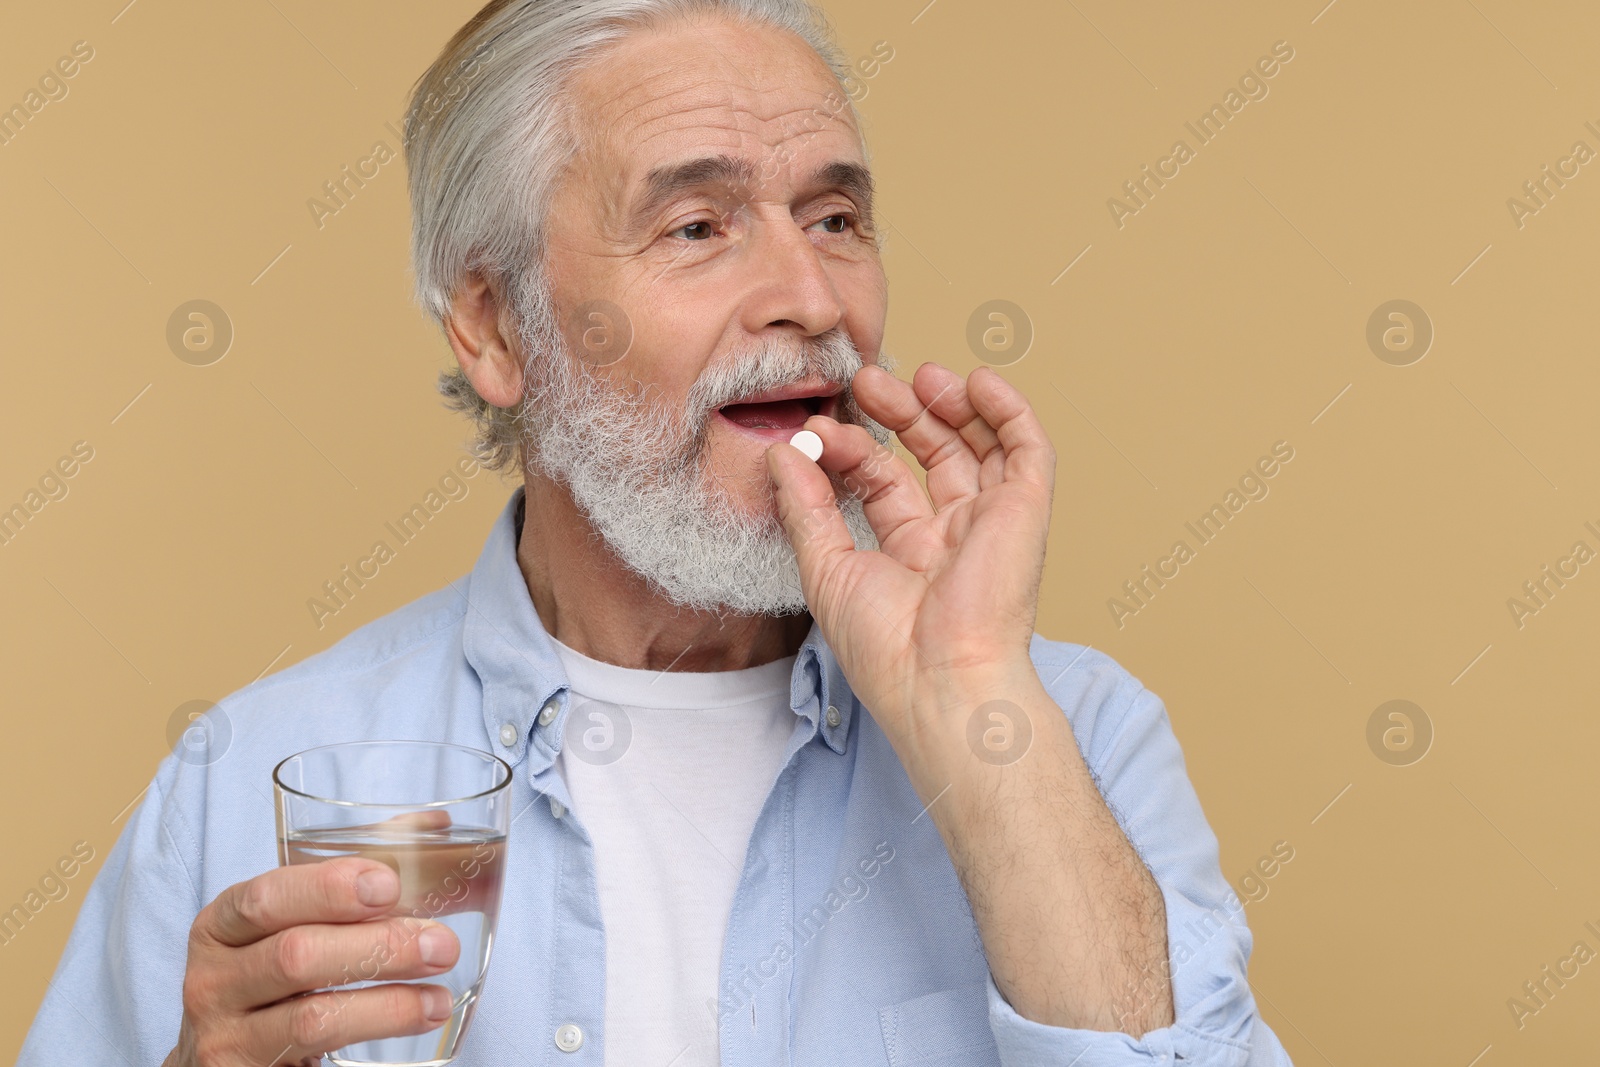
(809, 443)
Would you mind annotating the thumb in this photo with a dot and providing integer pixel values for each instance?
(809, 511)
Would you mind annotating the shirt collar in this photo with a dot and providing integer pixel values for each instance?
(522, 676)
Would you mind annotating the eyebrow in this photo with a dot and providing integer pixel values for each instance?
(666, 182)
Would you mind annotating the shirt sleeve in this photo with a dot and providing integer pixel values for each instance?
(116, 996)
(1140, 770)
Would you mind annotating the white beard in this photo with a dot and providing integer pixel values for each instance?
(639, 469)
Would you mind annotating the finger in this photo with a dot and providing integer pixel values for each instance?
(338, 890)
(809, 511)
(318, 955)
(890, 493)
(1029, 455)
(324, 1022)
(948, 396)
(447, 877)
(408, 823)
(934, 422)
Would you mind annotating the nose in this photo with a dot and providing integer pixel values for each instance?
(789, 285)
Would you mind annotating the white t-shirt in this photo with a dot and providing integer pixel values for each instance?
(668, 771)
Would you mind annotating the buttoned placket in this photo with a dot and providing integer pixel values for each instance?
(542, 747)
(526, 704)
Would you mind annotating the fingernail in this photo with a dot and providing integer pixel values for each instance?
(809, 443)
(434, 944)
(436, 1003)
(377, 886)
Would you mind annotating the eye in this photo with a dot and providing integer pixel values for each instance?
(842, 220)
(703, 226)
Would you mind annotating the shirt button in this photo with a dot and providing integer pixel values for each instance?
(547, 715)
(569, 1038)
(558, 809)
(508, 734)
(833, 715)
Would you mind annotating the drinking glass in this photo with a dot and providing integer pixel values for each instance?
(438, 814)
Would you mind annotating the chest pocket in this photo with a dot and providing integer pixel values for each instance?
(949, 1028)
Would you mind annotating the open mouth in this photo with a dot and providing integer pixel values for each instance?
(779, 419)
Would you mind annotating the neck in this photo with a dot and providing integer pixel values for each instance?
(592, 602)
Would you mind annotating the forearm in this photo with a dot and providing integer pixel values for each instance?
(1073, 924)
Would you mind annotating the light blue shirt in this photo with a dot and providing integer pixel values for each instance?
(850, 939)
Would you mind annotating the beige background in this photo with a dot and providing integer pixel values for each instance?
(1228, 314)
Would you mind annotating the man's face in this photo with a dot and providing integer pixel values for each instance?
(711, 266)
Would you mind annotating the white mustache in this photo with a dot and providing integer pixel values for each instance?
(830, 357)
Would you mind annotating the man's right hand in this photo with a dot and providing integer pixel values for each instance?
(258, 950)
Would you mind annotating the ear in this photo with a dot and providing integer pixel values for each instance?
(474, 327)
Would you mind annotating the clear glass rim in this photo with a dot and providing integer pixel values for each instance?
(484, 754)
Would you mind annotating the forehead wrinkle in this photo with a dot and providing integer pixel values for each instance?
(715, 104)
(683, 115)
(658, 86)
(664, 70)
(659, 94)
(647, 121)
(724, 86)
(769, 128)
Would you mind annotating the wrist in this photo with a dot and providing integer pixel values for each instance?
(960, 722)
(954, 692)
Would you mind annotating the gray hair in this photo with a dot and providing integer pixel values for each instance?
(490, 131)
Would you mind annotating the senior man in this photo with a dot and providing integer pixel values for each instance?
(859, 812)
